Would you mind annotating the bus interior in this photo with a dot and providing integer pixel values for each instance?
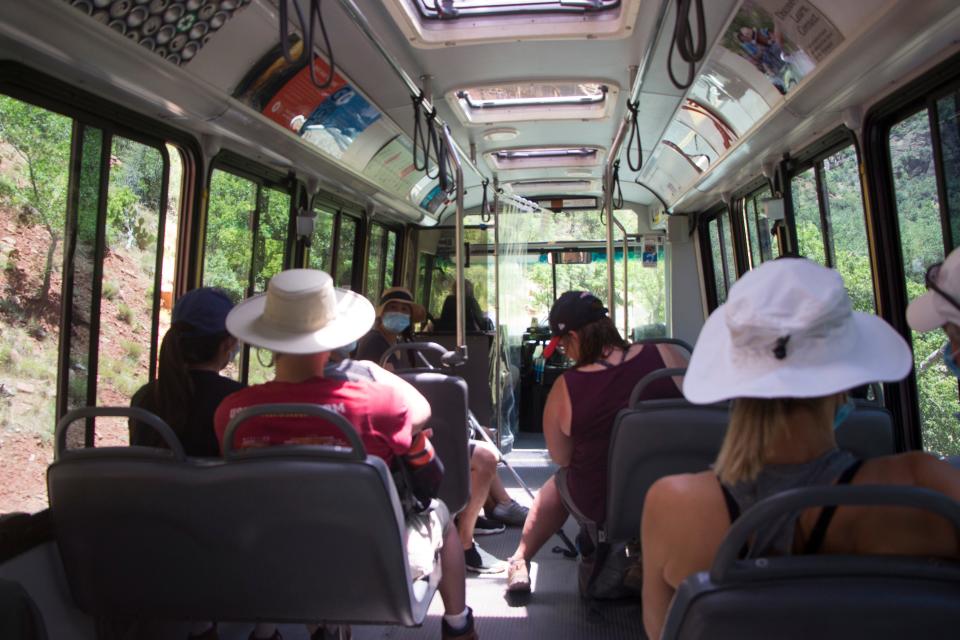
(649, 151)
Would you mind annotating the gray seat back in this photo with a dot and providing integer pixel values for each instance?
(652, 439)
(828, 597)
(306, 534)
(656, 438)
(447, 396)
(475, 371)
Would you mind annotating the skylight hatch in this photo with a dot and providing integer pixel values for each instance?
(457, 9)
(545, 157)
(525, 101)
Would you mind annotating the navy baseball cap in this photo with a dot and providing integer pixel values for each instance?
(571, 311)
(205, 310)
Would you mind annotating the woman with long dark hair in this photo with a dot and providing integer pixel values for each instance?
(579, 416)
(189, 386)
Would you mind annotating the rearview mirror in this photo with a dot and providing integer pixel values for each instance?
(569, 257)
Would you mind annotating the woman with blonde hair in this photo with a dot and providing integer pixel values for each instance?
(786, 347)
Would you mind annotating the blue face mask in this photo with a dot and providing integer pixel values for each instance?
(843, 412)
(396, 322)
(346, 350)
(950, 361)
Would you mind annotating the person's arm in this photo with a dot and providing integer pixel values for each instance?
(931, 473)
(556, 423)
(657, 592)
(674, 358)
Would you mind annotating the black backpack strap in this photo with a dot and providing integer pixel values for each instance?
(826, 514)
(733, 509)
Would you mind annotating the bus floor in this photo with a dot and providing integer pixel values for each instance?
(554, 611)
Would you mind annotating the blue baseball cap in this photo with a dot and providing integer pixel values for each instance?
(205, 310)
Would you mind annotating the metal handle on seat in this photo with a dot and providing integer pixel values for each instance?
(140, 415)
(447, 357)
(767, 510)
(356, 452)
(651, 377)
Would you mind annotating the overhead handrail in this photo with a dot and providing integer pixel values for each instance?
(357, 17)
(690, 52)
(306, 26)
(356, 451)
(140, 415)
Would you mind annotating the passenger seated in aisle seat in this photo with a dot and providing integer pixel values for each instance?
(485, 486)
(302, 318)
(786, 347)
(396, 315)
(579, 416)
(189, 386)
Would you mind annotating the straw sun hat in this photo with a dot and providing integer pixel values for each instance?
(788, 330)
(301, 313)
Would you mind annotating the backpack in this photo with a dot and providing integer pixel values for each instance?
(608, 571)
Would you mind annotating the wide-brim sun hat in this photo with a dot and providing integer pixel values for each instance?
(932, 310)
(788, 330)
(404, 297)
(301, 313)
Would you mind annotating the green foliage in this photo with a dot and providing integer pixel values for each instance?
(110, 290)
(132, 349)
(125, 313)
(229, 236)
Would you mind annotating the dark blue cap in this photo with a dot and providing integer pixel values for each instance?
(571, 311)
(205, 310)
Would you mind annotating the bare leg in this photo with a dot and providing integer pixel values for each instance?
(453, 583)
(546, 517)
(498, 494)
(483, 469)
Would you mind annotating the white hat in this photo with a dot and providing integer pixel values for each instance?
(788, 330)
(301, 313)
(933, 309)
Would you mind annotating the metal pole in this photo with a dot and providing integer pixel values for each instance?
(608, 208)
(498, 361)
(458, 239)
(357, 17)
(626, 306)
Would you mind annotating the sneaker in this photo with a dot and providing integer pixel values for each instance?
(487, 527)
(467, 633)
(477, 560)
(518, 576)
(512, 513)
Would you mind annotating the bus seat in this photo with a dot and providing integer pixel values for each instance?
(868, 431)
(20, 619)
(829, 597)
(285, 534)
(651, 439)
(447, 396)
(475, 371)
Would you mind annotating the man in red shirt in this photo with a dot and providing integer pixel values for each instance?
(301, 319)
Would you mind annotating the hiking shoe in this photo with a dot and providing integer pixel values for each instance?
(512, 513)
(518, 576)
(487, 527)
(467, 633)
(477, 560)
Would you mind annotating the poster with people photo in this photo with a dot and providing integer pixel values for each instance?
(783, 39)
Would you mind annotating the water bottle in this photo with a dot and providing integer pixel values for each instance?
(538, 366)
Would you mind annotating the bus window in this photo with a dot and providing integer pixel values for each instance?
(390, 262)
(922, 244)
(830, 223)
(763, 243)
(806, 215)
(229, 235)
(424, 279)
(321, 248)
(346, 242)
(35, 153)
(716, 256)
(948, 126)
(134, 216)
(375, 256)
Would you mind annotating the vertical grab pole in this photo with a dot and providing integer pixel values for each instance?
(608, 207)
(458, 239)
(626, 279)
(497, 345)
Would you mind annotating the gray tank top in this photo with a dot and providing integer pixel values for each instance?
(777, 538)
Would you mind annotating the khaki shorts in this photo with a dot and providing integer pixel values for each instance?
(424, 537)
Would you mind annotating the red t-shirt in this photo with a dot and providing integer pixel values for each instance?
(377, 412)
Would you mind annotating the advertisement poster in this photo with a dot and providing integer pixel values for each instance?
(651, 253)
(783, 39)
(392, 168)
(433, 200)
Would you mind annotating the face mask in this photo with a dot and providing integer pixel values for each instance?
(843, 412)
(950, 360)
(396, 322)
(347, 349)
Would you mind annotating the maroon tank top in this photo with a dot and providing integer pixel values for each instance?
(595, 399)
